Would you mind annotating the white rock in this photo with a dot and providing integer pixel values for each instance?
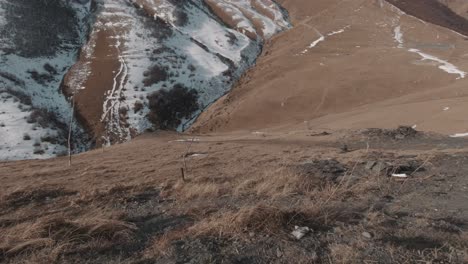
(367, 235)
(300, 232)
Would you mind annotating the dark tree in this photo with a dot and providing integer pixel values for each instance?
(169, 107)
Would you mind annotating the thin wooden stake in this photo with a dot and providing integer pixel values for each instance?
(70, 131)
(183, 174)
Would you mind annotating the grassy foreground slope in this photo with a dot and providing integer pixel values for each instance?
(242, 197)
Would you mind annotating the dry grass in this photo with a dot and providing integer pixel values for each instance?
(58, 232)
(254, 218)
(257, 211)
(187, 191)
(282, 182)
(162, 246)
(343, 254)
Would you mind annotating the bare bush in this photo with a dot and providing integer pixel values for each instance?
(169, 107)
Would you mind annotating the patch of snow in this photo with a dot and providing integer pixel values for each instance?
(197, 155)
(459, 135)
(443, 65)
(315, 43)
(26, 75)
(248, 14)
(338, 31)
(209, 65)
(20, 139)
(398, 36)
(187, 140)
(322, 38)
(2, 17)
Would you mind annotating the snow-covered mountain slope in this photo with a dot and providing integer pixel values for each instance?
(142, 46)
(39, 41)
(108, 56)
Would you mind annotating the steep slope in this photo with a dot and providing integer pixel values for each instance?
(39, 41)
(353, 64)
(105, 59)
(458, 6)
(139, 47)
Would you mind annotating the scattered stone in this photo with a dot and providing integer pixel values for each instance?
(367, 235)
(337, 230)
(402, 132)
(446, 227)
(314, 256)
(326, 170)
(370, 165)
(344, 148)
(279, 253)
(400, 169)
(324, 133)
(379, 167)
(300, 232)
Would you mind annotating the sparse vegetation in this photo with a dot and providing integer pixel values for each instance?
(169, 107)
(38, 150)
(234, 207)
(51, 26)
(155, 74)
(138, 106)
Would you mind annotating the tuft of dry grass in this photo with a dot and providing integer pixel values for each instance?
(58, 231)
(343, 254)
(283, 182)
(188, 191)
(257, 218)
(162, 246)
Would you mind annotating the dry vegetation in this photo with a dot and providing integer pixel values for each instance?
(356, 213)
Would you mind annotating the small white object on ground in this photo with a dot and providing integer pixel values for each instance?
(187, 140)
(400, 175)
(446, 108)
(459, 135)
(300, 232)
(367, 235)
(258, 133)
(196, 155)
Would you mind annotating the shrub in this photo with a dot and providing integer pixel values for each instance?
(169, 107)
(155, 74)
(138, 106)
(26, 136)
(38, 151)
